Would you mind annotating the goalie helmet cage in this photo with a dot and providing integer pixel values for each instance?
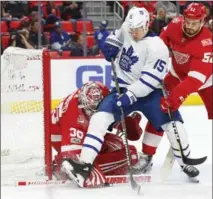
(26, 151)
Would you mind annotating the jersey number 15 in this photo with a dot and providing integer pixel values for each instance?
(160, 65)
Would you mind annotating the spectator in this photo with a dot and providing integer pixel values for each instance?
(211, 25)
(71, 11)
(59, 39)
(149, 5)
(4, 15)
(52, 8)
(170, 8)
(17, 9)
(33, 37)
(160, 21)
(77, 48)
(208, 18)
(52, 13)
(20, 38)
(34, 17)
(100, 36)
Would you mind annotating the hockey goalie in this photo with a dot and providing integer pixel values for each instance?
(70, 121)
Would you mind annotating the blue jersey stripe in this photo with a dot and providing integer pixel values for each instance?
(94, 137)
(151, 75)
(91, 147)
(147, 84)
(120, 81)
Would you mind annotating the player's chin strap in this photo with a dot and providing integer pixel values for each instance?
(186, 160)
(134, 184)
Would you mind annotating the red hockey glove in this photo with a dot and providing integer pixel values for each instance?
(172, 102)
(95, 178)
(179, 94)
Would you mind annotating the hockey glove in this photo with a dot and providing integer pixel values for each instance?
(126, 99)
(111, 47)
(180, 93)
(171, 102)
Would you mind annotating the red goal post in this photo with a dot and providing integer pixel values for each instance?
(26, 114)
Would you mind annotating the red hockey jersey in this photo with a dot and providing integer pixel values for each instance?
(191, 57)
(70, 123)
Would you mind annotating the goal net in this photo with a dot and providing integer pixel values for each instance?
(25, 115)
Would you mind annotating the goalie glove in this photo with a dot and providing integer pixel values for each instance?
(84, 174)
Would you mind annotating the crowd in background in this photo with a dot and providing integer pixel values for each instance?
(62, 24)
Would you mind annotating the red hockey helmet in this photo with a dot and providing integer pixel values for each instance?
(195, 11)
(90, 96)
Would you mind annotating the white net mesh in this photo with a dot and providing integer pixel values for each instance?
(22, 120)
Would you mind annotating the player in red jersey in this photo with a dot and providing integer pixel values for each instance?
(191, 71)
(70, 121)
(191, 47)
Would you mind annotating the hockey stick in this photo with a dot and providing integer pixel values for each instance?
(186, 160)
(167, 164)
(112, 180)
(134, 184)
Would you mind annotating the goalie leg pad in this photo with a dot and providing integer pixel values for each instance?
(112, 143)
(95, 136)
(115, 163)
(170, 131)
(133, 128)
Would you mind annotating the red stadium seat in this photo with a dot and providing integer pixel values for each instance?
(80, 27)
(68, 27)
(15, 24)
(4, 27)
(35, 3)
(5, 41)
(90, 41)
(58, 3)
(66, 53)
(54, 54)
(48, 27)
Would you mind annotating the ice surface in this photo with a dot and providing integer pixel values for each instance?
(175, 187)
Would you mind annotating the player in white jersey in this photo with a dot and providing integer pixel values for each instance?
(141, 61)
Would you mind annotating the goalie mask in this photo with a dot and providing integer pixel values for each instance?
(90, 96)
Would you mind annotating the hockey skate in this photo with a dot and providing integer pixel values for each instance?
(192, 172)
(84, 174)
(143, 165)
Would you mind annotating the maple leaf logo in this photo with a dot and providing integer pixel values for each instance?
(127, 59)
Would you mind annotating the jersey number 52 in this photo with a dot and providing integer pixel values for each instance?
(207, 58)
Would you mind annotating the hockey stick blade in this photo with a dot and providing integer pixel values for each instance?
(191, 161)
(135, 186)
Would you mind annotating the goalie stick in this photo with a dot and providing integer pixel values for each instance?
(133, 183)
(112, 180)
(186, 160)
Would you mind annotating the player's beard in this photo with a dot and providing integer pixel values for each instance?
(190, 32)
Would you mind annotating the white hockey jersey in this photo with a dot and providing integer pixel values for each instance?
(140, 65)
